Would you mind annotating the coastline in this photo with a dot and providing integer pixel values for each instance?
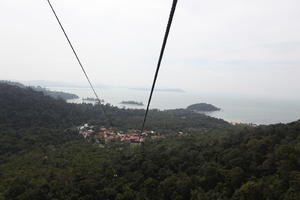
(239, 122)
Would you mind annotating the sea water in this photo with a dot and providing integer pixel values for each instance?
(233, 108)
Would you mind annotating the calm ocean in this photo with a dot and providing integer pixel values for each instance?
(235, 109)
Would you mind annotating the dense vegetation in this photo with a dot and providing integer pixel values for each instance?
(203, 107)
(41, 157)
(24, 108)
(53, 94)
(56, 94)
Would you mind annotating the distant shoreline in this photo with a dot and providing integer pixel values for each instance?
(132, 103)
(259, 111)
(84, 85)
(239, 122)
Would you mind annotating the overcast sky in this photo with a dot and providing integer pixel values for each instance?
(235, 46)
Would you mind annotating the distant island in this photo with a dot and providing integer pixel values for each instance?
(132, 103)
(92, 99)
(203, 107)
(89, 99)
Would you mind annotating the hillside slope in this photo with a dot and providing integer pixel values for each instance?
(32, 118)
(53, 94)
(254, 164)
(24, 107)
(41, 159)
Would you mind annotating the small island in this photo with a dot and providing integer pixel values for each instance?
(203, 107)
(132, 103)
(89, 99)
(92, 99)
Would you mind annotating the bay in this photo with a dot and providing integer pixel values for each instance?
(233, 108)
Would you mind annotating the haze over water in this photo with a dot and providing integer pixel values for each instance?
(234, 108)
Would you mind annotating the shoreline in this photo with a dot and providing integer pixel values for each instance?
(239, 122)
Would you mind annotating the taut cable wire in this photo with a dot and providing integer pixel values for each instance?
(159, 60)
(79, 62)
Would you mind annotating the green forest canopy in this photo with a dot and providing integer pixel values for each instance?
(43, 157)
(204, 107)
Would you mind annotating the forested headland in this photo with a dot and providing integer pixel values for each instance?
(203, 107)
(42, 156)
(53, 94)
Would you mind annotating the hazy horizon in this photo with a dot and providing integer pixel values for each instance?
(242, 48)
